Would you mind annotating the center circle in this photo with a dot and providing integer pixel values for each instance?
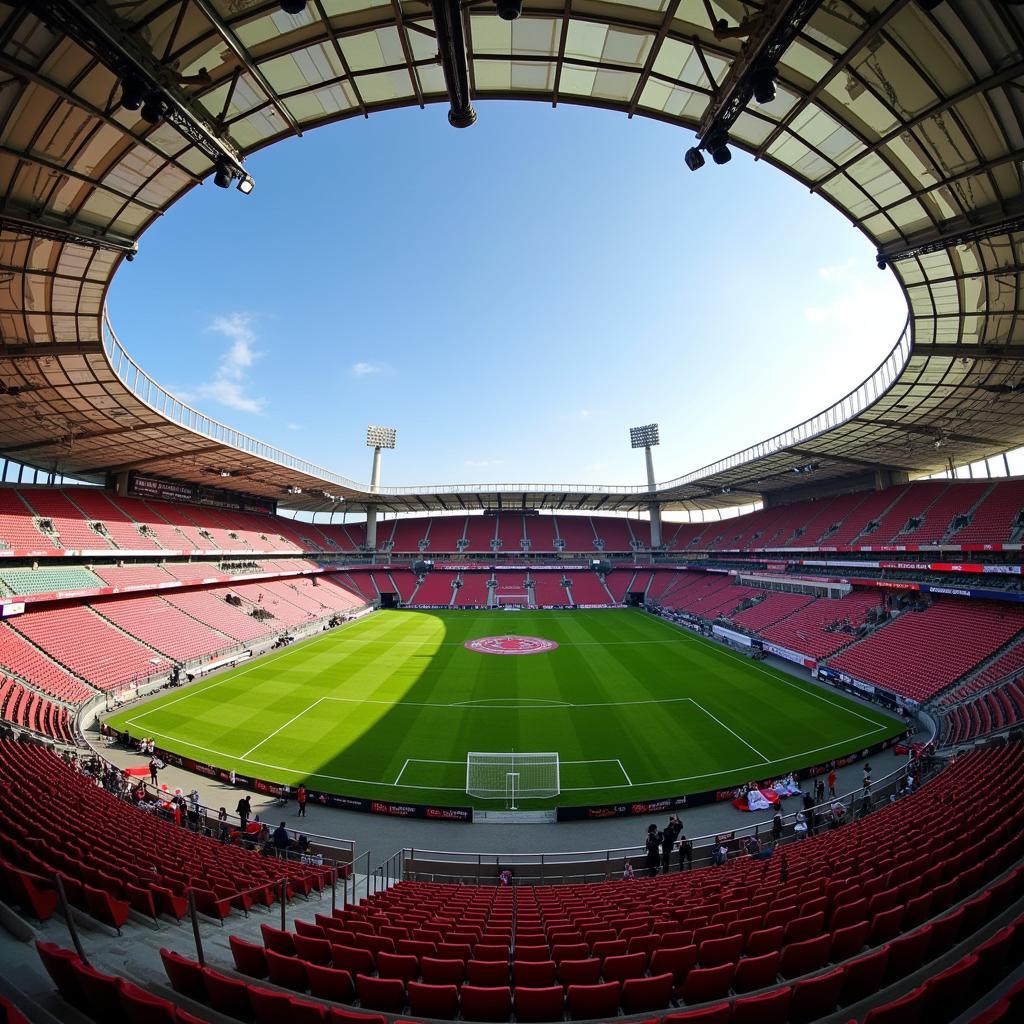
(510, 645)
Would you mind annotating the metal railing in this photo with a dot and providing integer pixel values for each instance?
(160, 400)
(414, 864)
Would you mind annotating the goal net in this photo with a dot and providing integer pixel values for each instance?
(510, 777)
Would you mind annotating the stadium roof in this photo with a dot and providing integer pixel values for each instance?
(910, 122)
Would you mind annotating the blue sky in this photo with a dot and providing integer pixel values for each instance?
(512, 297)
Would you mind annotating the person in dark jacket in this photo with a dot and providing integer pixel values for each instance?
(281, 839)
(652, 844)
(244, 812)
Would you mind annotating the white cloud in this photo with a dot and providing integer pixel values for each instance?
(857, 304)
(230, 385)
(365, 369)
(484, 463)
(293, 426)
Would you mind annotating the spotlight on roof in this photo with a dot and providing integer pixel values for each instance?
(293, 490)
(224, 473)
(644, 437)
(293, 6)
(133, 92)
(763, 81)
(509, 10)
(381, 437)
(246, 184)
(155, 108)
(131, 254)
(881, 263)
(223, 175)
(694, 158)
(718, 147)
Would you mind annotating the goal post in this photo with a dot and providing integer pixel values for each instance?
(500, 775)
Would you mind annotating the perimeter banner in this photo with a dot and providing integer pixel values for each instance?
(344, 803)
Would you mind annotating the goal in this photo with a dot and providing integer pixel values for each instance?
(511, 776)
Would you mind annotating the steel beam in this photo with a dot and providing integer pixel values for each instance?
(451, 41)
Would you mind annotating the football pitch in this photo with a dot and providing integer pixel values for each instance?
(390, 706)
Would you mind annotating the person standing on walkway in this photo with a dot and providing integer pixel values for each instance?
(672, 829)
(153, 770)
(652, 845)
(300, 799)
(832, 782)
(244, 811)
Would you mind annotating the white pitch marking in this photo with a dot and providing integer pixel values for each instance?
(811, 690)
(399, 775)
(462, 789)
(257, 662)
(733, 731)
(281, 728)
(629, 781)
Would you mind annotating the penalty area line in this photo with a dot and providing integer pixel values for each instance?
(749, 746)
(281, 728)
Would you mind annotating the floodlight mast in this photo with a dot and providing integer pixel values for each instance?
(377, 438)
(647, 437)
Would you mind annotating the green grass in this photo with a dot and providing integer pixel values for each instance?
(389, 706)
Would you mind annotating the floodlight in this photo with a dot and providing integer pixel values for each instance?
(223, 175)
(293, 6)
(717, 146)
(293, 490)
(881, 263)
(133, 92)
(763, 81)
(380, 437)
(644, 437)
(225, 473)
(509, 10)
(694, 158)
(246, 184)
(154, 108)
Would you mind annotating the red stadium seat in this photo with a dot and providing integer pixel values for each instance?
(535, 1004)
(754, 972)
(816, 997)
(486, 1002)
(332, 983)
(720, 1013)
(534, 974)
(950, 992)
(640, 995)
(436, 971)
(586, 1002)
(186, 976)
(803, 957)
(403, 966)
(386, 994)
(439, 1002)
(905, 1010)
(270, 1006)
(767, 1008)
(141, 1007)
(227, 995)
(249, 958)
(286, 971)
(848, 941)
(102, 991)
(619, 968)
(706, 983)
(488, 973)
(863, 977)
(580, 972)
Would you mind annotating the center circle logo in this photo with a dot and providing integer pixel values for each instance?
(510, 645)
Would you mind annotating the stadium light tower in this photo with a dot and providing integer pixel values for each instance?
(647, 437)
(377, 438)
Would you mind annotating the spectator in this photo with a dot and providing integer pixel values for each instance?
(627, 872)
(777, 827)
(819, 791)
(752, 846)
(867, 772)
(652, 844)
(672, 829)
(153, 768)
(244, 812)
(832, 782)
(281, 839)
(685, 850)
(222, 818)
(720, 854)
(800, 828)
(300, 799)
